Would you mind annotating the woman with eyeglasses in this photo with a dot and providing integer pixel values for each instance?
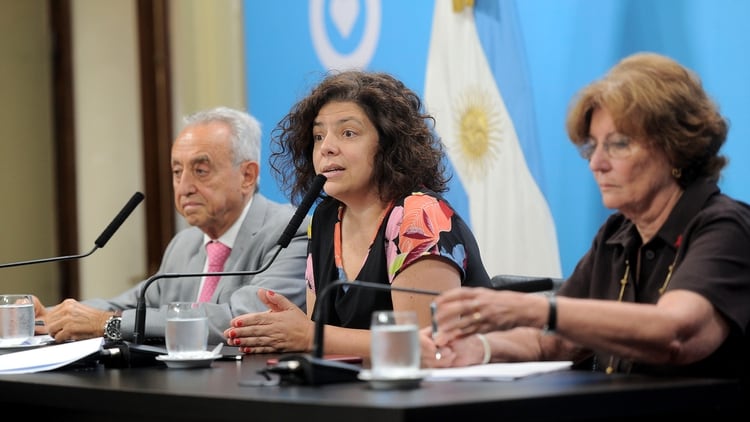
(665, 287)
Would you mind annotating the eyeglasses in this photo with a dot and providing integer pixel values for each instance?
(619, 147)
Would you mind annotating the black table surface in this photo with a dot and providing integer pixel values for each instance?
(218, 393)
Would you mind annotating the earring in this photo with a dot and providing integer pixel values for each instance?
(676, 173)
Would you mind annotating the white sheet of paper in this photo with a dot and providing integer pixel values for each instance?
(496, 371)
(46, 358)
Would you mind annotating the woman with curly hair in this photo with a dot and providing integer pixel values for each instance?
(381, 218)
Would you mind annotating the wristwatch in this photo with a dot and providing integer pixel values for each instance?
(112, 328)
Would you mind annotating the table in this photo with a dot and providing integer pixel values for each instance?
(162, 394)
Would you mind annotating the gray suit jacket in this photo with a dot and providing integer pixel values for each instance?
(256, 243)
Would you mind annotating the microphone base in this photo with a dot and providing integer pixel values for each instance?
(309, 370)
(130, 355)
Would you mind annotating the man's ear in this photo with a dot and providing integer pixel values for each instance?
(250, 173)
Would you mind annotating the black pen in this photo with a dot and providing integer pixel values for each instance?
(433, 308)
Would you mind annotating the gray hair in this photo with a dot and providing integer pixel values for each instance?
(245, 129)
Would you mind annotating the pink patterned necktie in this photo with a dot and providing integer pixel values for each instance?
(217, 255)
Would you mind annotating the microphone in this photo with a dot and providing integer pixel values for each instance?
(304, 207)
(286, 237)
(313, 369)
(100, 241)
(525, 284)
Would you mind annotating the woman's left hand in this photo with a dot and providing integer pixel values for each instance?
(282, 328)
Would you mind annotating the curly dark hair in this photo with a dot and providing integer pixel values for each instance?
(653, 97)
(409, 154)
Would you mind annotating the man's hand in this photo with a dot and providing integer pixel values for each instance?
(72, 320)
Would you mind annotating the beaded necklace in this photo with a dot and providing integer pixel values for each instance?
(624, 281)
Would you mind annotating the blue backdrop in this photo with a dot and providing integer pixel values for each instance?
(567, 45)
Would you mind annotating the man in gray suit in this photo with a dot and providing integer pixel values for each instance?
(215, 168)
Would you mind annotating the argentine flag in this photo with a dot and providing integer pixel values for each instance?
(508, 212)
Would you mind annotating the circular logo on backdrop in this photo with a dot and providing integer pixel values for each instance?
(346, 22)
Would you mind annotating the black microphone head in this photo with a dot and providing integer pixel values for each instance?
(119, 219)
(304, 207)
(313, 193)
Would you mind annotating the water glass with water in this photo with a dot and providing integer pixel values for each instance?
(394, 344)
(186, 332)
(16, 318)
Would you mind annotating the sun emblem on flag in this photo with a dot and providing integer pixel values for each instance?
(479, 127)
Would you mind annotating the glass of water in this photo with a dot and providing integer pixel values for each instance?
(16, 318)
(186, 333)
(394, 344)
